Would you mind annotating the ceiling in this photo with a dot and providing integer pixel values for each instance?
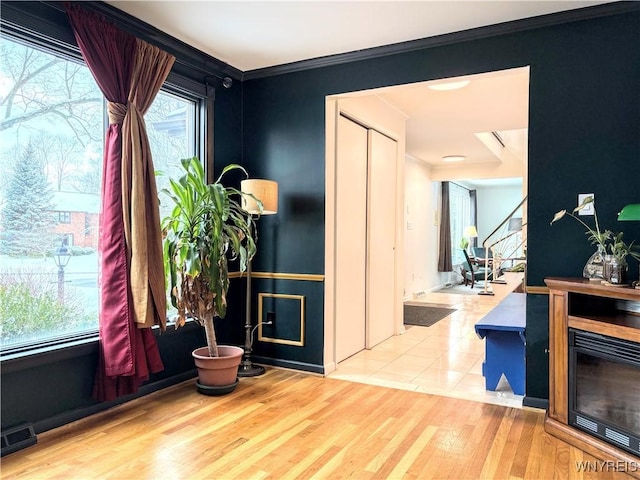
(250, 35)
(255, 34)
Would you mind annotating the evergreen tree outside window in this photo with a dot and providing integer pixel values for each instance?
(27, 215)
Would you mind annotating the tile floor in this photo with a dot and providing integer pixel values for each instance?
(444, 359)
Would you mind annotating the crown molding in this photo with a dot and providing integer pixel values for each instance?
(478, 33)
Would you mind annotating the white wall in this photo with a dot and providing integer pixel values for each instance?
(494, 204)
(422, 224)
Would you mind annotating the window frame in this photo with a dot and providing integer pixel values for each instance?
(64, 217)
(44, 26)
(462, 193)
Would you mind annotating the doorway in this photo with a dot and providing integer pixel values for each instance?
(363, 261)
(415, 255)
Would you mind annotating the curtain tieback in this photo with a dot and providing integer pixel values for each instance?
(116, 112)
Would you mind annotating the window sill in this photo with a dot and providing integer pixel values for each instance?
(78, 347)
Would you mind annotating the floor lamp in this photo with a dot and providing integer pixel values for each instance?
(260, 193)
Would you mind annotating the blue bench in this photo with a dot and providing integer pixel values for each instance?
(504, 330)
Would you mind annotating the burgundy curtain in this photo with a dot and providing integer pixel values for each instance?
(132, 291)
(445, 264)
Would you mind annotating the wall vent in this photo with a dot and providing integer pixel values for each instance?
(17, 438)
(588, 424)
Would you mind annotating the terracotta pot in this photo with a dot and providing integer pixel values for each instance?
(218, 371)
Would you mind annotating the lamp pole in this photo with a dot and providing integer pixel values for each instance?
(61, 257)
(60, 284)
(260, 197)
(247, 368)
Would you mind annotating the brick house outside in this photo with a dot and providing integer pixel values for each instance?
(76, 216)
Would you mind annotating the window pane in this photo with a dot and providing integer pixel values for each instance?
(171, 126)
(460, 207)
(51, 158)
(52, 134)
(171, 129)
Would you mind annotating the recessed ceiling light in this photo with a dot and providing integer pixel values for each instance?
(449, 85)
(453, 158)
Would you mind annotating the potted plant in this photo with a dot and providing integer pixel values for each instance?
(206, 228)
(615, 264)
(594, 268)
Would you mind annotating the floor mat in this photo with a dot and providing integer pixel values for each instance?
(424, 315)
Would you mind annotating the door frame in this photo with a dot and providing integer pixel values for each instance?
(372, 112)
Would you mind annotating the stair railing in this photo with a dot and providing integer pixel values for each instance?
(498, 257)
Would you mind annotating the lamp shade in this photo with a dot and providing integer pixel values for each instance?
(630, 212)
(470, 231)
(61, 256)
(266, 191)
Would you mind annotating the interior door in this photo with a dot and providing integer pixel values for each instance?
(381, 223)
(351, 238)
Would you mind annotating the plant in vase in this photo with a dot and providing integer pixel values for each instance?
(206, 228)
(594, 268)
(615, 263)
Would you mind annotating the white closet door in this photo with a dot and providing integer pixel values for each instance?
(381, 238)
(351, 238)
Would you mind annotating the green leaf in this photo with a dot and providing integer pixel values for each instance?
(230, 167)
(205, 228)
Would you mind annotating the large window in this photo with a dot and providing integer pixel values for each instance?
(51, 135)
(460, 207)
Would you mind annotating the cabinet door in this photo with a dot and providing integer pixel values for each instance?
(351, 238)
(381, 220)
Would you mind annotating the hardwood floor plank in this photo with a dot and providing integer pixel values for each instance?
(291, 425)
(492, 463)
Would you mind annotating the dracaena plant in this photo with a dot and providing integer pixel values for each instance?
(594, 235)
(204, 231)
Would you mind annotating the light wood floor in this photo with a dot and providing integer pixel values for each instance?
(288, 424)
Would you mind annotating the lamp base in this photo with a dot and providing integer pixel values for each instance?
(250, 370)
(488, 292)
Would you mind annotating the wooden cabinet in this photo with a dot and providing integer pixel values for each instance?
(589, 307)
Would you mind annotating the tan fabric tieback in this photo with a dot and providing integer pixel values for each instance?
(116, 112)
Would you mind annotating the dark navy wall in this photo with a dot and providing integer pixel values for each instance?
(583, 138)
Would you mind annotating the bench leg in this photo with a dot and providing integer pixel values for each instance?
(491, 377)
(505, 353)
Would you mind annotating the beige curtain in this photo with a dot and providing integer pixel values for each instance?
(139, 193)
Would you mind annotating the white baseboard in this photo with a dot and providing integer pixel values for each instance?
(329, 367)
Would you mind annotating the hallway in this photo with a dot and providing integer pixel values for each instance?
(444, 359)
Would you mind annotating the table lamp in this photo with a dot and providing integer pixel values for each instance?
(631, 212)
